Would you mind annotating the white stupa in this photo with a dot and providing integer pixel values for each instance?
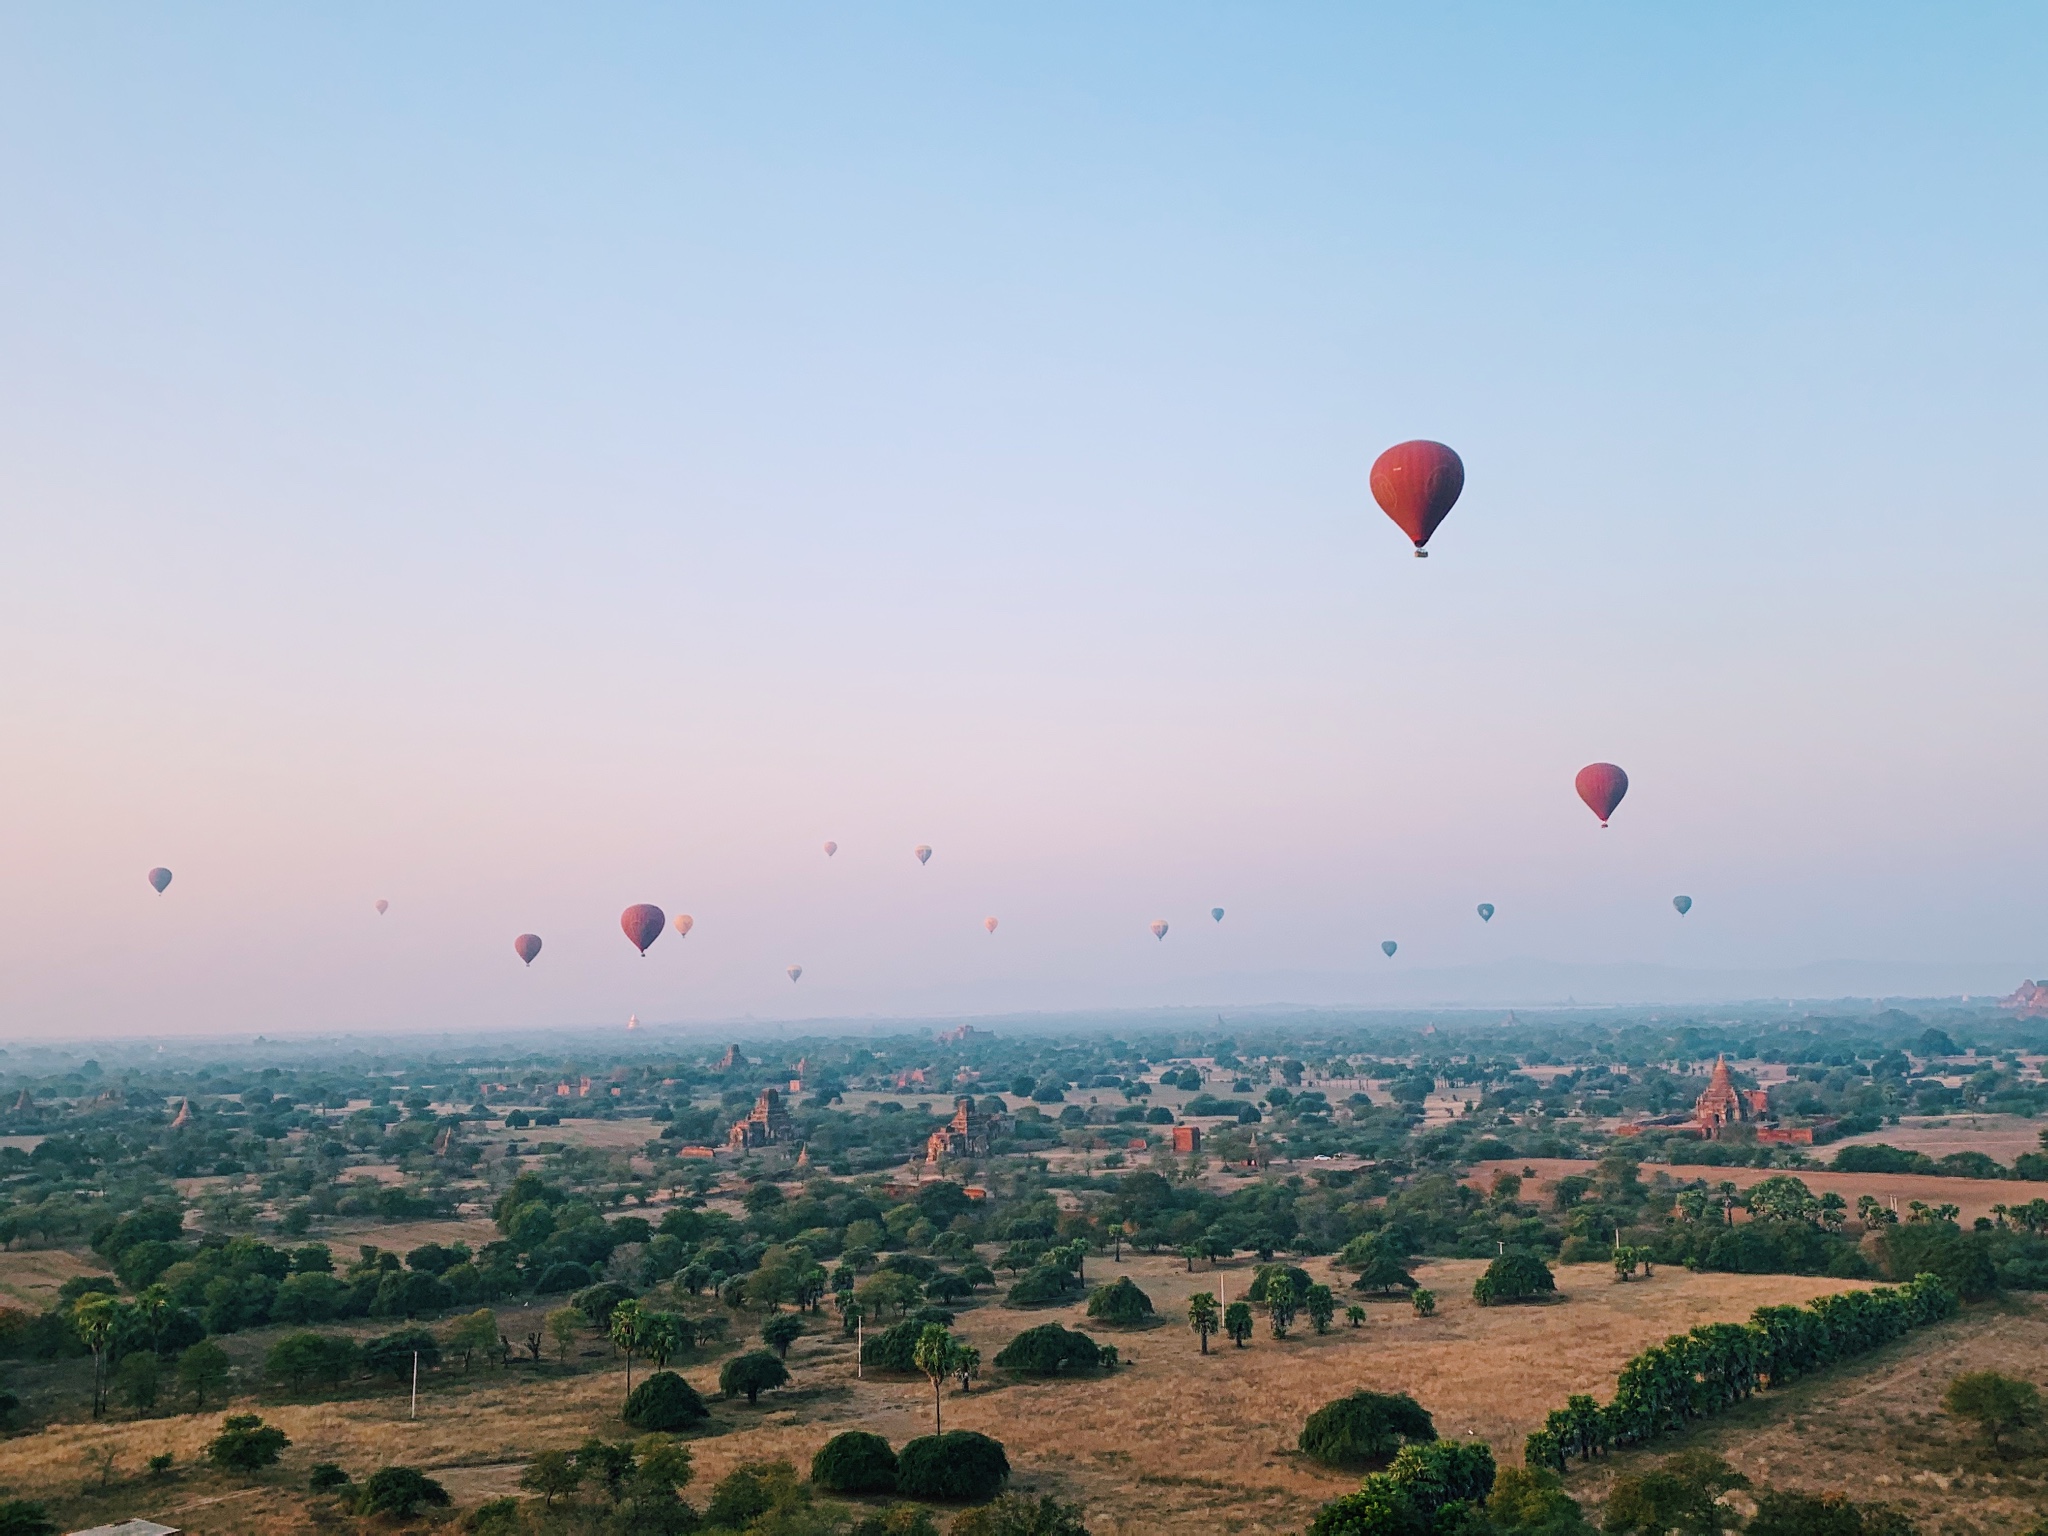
(633, 1021)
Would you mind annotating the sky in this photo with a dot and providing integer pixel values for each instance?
(516, 462)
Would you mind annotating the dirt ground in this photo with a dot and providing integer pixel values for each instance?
(2003, 1137)
(1175, 1441)
(1975, 1197)
(30, 1277)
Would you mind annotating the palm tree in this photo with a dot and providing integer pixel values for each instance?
(933, 1354)
(629, 1333)
(1203, 1317)
(94, 1320)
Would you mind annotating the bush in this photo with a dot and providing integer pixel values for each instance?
(325, 1477)
(1961, 1259)
(1365, 1429)
(1017, 1514)
(1514, 1277)
(891, 1351)
(566, 1276)
(750, 1491)
(246, 1444)
(959, 1467)
(855, 1462)
(1780, 1512)
(1264, 1276)
(665, 1403)
(399, 1491)
(753, 1373)
(597, 1302)
(1046, 1285)
(392, 1355)
(1422, 1482)
(1121, 1303)
(1048, 1350)
(21, 1517)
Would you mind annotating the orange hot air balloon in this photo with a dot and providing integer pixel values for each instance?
(526, 946)
(159, 878)
(923, 852)
(1601, 786)
(1159, 929)
(643, 924)
(383, 906)
(1417, 484)
(830, 849)
(684, 923)
(989, 923)
(796, 973)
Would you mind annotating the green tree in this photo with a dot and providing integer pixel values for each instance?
(1997, 1404)
(628, 1330)
(1321, 1306)
(95, 1322)
(139, 1379)
(563, 1324)
(1237, 1322)
(552, 1475)
(1682, 1495)
(1203, 1317)
(473, 1333)
(1282, 1302)
(1424, 1302)
(203, 1372)
(1018, 1514)
(934, 1356)
(753, 1373)
(246, 1444)
(1365, 1429)
(23, 1517)
(400, 1492)
(781, 1331)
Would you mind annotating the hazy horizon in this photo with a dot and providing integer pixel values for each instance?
(516, 465)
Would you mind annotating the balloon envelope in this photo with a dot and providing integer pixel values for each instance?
(1601, 786)
(1217, 913)
(159, 878)
(923, 852)
(830, 849)
(1417, 484)
(1486, 911)
(989, 923)
(383, 906)
(684, 923)
(1159, 929)
(642, 924)
(1683, 903)
(795, 971)
(526, 946)
(1387, 948)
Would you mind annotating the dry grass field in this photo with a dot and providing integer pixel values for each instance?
(2003, 1137)
(1175, 1441)
(30, 1277)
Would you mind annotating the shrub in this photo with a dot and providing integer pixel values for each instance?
(399, 1491)
(566, 1276)
(753, 1373)
(750, 1491)
(392, 1355)
(1514, 1277)
(22, 1517)
(1365, 1429)
(326, 1477)
(495, 1517)
(781, 1331)
(1422, 1482)
(855, 1462)
(246, 1444)
(1017, 1514)
(891, 1351)
(1045, 1285)
(1962, 1259)
(1048, 1350)
(665, 1403)
(959, 1467)
(1265, 1274)
(1121, 1303)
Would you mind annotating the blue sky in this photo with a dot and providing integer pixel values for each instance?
(518, 463)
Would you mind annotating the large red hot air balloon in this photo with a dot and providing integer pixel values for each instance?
(1417, 484)
(643, 925)
(526, 946)
(1601, 786)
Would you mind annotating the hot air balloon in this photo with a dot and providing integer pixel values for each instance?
(1601, 786)
(684, 923)
(383, 906)
(923, 852)
(989, 923)
(643, 924)
(1683, 903)
(526, 946)
(1159, 929)
(1387, 948)
(830, 849)
(632, 1022)
(159, 878)
(795, 971)
(1217, 913)
(1486, 911)
(1417, 484)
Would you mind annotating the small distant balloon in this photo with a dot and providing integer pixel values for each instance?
(1387, 948)
(383, 906)
(526, 946)
(830, 849)
(159, 878)
(684, 923)
(1601, 786)
(632, 1022)
(1217, 913)
(795, 972)
(1417, 484)
(1683, 903)
(923, 852)
(989, 923)
(1159, 929)
(1486, 911)
(643, 924)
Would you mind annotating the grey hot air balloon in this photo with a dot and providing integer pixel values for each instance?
(1217, 913)
(1683, 903)
(796, 972)
(526, 946)
(1159, 929)
(830, 849)
(1387, 948)
(159, 878)
(1486, 911)
(923, 852)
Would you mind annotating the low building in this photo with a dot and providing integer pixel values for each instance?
(766, 1125)
(1187, 1139)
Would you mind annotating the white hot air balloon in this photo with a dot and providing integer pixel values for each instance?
(830, 849)
(989, 923)
(923, 852)
(795, 972)
(684, 923)
(632, 1021)
(1159, 929)
(383, 906)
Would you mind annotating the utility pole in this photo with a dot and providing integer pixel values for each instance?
(415, 1383)
(860, 1326)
